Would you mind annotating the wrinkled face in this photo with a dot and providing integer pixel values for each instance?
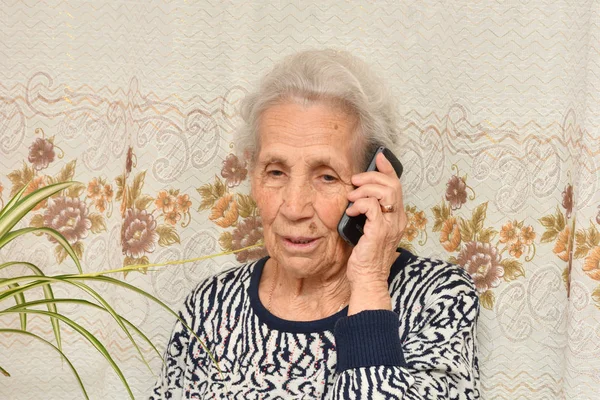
(300, 182)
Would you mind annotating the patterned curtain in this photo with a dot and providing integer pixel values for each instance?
(500, 105)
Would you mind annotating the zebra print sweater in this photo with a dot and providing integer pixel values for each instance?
(423, 349)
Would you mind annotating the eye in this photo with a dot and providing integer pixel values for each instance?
(329, 178)
(275, 173)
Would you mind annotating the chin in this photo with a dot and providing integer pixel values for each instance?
(301, 267)
(311, 264)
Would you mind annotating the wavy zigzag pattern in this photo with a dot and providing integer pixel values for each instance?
(463, 27)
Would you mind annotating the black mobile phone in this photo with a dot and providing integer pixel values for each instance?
(351, 228)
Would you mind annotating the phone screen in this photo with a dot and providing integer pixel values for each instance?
(351, 228)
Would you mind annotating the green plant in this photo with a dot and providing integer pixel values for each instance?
(17, 286)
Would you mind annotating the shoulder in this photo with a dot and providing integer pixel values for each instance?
(225, 283)
(430, 277)
(428, 292)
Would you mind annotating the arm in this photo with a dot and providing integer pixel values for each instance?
(170, 382)
(435, 360)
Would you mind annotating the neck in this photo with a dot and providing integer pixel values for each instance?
(303, 299)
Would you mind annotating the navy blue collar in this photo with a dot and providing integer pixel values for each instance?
(316, 326)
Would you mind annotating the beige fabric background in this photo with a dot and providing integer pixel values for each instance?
(500, 104)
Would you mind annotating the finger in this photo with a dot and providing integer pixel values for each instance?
(385, 166)
(375, 177)
(368, 206)
(384, 194)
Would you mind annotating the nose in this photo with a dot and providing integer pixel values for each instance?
(298, 200)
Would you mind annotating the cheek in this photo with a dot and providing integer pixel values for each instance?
(267, 202)
(330, 210)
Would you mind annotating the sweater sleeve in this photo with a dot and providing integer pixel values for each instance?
(170, 383)
(435, 359)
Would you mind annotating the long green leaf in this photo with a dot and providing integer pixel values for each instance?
(86, 334)
(17, 279)
(112, 281)
(20, 299)
(93, 305)
(115, 316)
(54, 233)
(14, 200)
(18, 332)
(45, 280)
(4, 372)
(12, 216)
(154, 299)
(65, 278)
(48, 295)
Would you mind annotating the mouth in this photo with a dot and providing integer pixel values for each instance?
(300, 242)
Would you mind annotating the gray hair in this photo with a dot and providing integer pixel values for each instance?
(331, 76)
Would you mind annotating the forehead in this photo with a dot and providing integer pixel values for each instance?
(317, 131)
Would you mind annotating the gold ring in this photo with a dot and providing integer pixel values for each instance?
(388, 208)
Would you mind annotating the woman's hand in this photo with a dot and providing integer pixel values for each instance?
(371, 259)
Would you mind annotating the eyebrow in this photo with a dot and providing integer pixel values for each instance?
(273, 159)
(313, 162)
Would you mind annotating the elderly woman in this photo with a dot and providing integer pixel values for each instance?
(319, 318)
